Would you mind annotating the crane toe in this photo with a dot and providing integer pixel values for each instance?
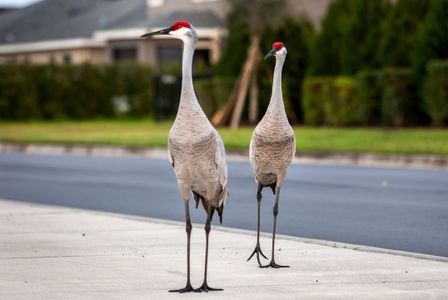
(258, 251)
(274, 265)
(186, 289)
(205, 288)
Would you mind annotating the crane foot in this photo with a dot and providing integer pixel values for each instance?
(274, 265)
(186, 289)
(258, 251)
(205, 288)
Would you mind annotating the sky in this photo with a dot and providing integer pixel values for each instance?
(16, 3)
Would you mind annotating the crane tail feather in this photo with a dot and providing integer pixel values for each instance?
(197, 197)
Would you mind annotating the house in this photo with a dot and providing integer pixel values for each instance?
(106, 31)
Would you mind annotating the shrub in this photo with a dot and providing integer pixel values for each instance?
(398, 97)
(18, 95)
(436, 92)
(385, 97)
(432, 39)
(369, 91)
(82, 91)
(330, 101)
(313, 97)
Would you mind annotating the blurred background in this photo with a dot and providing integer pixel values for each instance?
(350, 62)
(356, 71)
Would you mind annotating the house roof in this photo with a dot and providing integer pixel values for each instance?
(67, 19)
(199, 19)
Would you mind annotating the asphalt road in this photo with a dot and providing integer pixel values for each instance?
(398, 209)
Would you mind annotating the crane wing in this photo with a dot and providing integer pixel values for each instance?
(221, 165)
(170, 156)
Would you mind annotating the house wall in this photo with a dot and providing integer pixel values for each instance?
(147, 50)
(111, 46)
(76, 56)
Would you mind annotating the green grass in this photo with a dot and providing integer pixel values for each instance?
(149, 133)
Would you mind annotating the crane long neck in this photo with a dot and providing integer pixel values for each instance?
(276, 105)
(187, 97)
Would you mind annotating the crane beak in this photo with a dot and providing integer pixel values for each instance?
(271, 53)
(159, 32)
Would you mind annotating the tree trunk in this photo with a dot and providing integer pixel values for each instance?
(248, 69)
(253, 100)
(222, 115)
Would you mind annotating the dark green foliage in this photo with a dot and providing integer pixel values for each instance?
(432, 42)
(213, 92)
(135, 87)
(349, 38)
(235, 50)
(399, 32)
(436, 92)
(314, 93)
(13, 84)
(371, 98)
(398, 97)
(369, 93)
(331, 101)
(77, 92)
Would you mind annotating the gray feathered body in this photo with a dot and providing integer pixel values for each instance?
(272, 148)
(273, 145)
(198, 158)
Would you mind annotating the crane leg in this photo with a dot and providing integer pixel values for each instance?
(188, 227)
(204, 287)
(257, 249)
(273, 264)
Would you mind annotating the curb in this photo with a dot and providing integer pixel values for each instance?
(343, 159)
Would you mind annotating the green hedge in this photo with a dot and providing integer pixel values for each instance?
(435, 95)
(330, 101)
(398, 97)
(76, 92)
(369, 91)
(384, 97)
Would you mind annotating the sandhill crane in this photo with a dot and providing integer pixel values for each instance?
(195, 149)
(272, 148)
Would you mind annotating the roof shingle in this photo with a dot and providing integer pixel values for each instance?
(64, 19)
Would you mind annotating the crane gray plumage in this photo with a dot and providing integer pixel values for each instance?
(272, 147)
(195, 150)
(197, 155)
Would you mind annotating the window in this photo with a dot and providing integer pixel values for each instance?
(67, 59)
(169, 59)
(124, 54)
(169, 54)
(202, 58)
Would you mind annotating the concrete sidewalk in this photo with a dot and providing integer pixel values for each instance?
(61, 253)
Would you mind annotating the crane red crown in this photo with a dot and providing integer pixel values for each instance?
(278, 45)
(180, 24)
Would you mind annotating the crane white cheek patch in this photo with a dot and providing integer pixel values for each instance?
(181, 33)
(282, 52)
